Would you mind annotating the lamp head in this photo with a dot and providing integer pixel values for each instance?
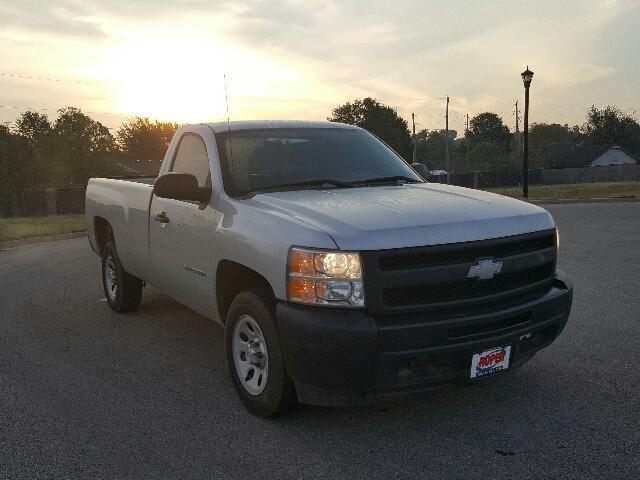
(527, 76)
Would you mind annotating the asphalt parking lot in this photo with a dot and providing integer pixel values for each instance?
(87, 393)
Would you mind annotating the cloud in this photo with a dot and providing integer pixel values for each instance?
(45, 17)
(409, 54)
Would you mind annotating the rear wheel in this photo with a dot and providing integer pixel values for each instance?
(123, 291)
(255, 357)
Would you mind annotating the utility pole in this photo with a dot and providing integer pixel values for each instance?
(446, 142)
(413, 121)
(466, 139)
(517, 134)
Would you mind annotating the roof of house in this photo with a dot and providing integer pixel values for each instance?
(573, 155)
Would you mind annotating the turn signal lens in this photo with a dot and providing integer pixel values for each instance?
(301, 262)
(557, 239)
(302, 290)
(330, 278)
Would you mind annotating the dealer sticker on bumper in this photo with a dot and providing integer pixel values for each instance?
(490, 361)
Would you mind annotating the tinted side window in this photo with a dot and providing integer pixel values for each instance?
(192, 158)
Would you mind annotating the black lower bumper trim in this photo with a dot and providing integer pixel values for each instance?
(341, 357)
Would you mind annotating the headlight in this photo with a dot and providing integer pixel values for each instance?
(332, 278)
(557, 239)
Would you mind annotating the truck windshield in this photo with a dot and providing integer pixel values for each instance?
(298, 158)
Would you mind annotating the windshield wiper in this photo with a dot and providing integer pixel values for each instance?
(319, 183)
(391, 179)
(330, 182)
(316, 183)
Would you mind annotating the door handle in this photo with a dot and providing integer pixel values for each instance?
(161, 217)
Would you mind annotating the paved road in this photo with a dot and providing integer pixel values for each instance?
(88, 393)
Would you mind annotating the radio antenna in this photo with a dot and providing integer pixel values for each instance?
(226, 101)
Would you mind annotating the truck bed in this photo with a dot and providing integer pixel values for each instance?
(125, 203)
(135, 179)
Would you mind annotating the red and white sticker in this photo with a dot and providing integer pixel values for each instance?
(490, 361)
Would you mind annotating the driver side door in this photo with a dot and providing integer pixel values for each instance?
(181, 234)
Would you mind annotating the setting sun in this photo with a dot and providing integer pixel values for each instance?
(166, 74)
(178, 74)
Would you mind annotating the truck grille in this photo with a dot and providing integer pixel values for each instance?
(437, 276)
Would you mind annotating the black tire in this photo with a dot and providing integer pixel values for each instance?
(128, 289)
(278, 396)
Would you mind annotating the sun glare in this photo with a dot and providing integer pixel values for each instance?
(169, 75)
(177, 74)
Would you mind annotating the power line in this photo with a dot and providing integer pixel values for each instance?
(16, 107)
(48, 79)
(22, 107)
(258, 97)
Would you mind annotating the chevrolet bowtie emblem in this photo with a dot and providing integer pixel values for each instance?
(485, 269)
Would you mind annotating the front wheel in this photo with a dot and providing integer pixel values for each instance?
(255, 357)
(123, 291)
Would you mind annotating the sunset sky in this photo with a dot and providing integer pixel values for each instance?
(298, 59)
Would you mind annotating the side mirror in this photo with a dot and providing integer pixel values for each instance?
(421, 169)
(180, 186)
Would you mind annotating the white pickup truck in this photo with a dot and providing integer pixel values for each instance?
(338, 274)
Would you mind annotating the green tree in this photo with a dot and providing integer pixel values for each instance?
(379, 119)
(542, 138)
(141, 139)
(36, 129)
(430, 149)
(33, 125)
(16, 159)
(82, 148)
(490, 156)
(611, 125)
(488, 127)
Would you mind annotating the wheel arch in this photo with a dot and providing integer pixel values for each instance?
(233, 278)
(103, 232)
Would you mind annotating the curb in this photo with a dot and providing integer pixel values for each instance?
(21, 242)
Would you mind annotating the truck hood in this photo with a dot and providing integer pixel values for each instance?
(382, 217)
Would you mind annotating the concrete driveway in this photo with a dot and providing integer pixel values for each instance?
(87, 393)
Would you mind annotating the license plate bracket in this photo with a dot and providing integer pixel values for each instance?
(489, 361)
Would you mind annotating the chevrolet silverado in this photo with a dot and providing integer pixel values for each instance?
(339, 275)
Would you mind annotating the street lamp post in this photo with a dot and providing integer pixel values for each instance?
(527, 76)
